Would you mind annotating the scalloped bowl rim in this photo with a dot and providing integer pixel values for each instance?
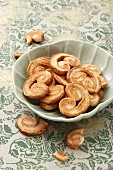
(62, 119)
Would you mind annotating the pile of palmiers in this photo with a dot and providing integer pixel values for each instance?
(61, 81)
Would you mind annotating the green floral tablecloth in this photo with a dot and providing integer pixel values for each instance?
(87, 20)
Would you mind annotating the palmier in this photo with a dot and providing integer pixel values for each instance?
(76, 75)
(92, 83)
(38, 69)
(33, 89)
(61, 65)
(44, 77)
(73, 91)
(68, 107)
(94, 69)
(85, 77)
(29, 125)
(56, 92)
(41, 61)
(75, 138)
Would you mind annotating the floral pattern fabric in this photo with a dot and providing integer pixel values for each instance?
(87, 20)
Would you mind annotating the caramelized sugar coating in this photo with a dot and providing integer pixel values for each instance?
(29, 125)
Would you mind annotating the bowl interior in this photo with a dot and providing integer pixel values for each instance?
(86, 52)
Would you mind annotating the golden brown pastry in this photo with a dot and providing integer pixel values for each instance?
(34, 36)
(34, 90)
(92, 83)
(73, 91)
(41, 61)
(103, 82)
(61, 65)
(61, 156)
(76, 75)
(61, 79)
(101, 94)
(67, 106)
(46, 106)
(38, 69)
(29, 125)
(87, 78)
(75, 138)
(95, 97)
(44, 77)
(56, 92)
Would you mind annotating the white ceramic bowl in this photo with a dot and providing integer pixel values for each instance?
(86, 52)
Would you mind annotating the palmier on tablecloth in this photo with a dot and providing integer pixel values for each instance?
(75, 138)
(29, 125)
(62, 62)
(68, 106)
(60, 156)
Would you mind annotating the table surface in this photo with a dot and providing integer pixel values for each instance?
(87, 20)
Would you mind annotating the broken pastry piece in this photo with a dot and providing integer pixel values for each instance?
(18, 54)
(29, 125)
(61, 156)
(34, 36)
(75, 138)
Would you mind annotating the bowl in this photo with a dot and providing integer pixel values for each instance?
(87, 53)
